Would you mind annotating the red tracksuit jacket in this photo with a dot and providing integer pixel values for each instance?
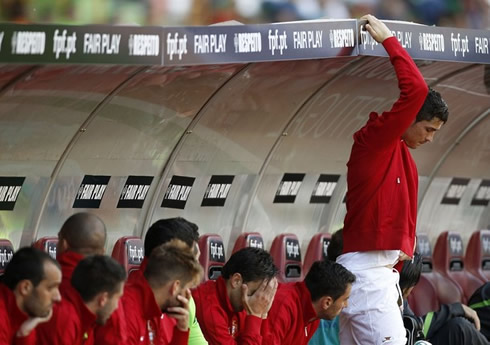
(290, 316)
(114, 332)
(220, 324)
(68, 261)
(72, 322)
(382, 177)
(145, 322)
(11, 318)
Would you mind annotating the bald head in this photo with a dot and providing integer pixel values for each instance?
(83, 233)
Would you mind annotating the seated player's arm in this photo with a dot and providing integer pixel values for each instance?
(433, 321)
(195, 333)
(181, 315)
(278, 323)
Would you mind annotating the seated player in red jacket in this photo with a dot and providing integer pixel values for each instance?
(96, 286)
(80, 235)
(298, 307)
(232, 310)
(162, 291)
(27, 293)
(160, 232)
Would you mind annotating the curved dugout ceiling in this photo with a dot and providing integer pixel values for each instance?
(246, 136)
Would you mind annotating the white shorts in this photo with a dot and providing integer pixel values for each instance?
(373, 316)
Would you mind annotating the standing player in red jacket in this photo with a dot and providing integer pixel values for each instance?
(382, 179)
(27, 294)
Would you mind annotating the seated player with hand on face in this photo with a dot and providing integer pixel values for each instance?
(28, 291)
(233, 309)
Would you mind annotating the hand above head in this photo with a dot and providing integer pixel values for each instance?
(181, 314)
(261, 301)
(377, 28)
(471, 315)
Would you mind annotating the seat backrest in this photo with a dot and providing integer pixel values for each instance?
(6, 253)
(477, 257)
(448, 253)
(129, 252)
(212, 257)
(317, 249)
(423, 298)
(286, 252)
(447, 290)
(47, 244)
(425, 250)
(449, 260)
(248, 239)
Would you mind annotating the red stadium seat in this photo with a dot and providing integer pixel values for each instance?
(212, 257)
(47, 244)
(6, 253)
(248, 239)
(286, 252)
(449, 262)
(317, 249)
(446, 290)
(423, 298)
(129, 252)
(477, 257)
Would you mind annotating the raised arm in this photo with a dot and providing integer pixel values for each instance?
(390, 125)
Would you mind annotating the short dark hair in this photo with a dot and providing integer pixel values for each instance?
(411, 271)
(165, 230)
(96, 274)
(27, 263)
(253, 264)
(434, 106)
(336, 245)
(328, 278)
(174, 260)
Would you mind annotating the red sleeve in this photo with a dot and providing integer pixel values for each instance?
(214, 325)
(251, 333)
(180, 337)
(133, 331)
(61, 329)
(5, 331)
(390, 126)
(279, 321)
(114, 330)
(28, 340)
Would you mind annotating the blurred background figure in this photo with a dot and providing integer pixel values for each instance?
(473, 14)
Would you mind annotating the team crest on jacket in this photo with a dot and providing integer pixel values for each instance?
(234, 327)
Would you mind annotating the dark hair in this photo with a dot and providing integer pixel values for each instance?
(328, 278)
(96, 274)
(27, 263)
(336, 245)
(174, 260)
(434, 106)
(253, 264)
(411, 271)
(164, 230)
